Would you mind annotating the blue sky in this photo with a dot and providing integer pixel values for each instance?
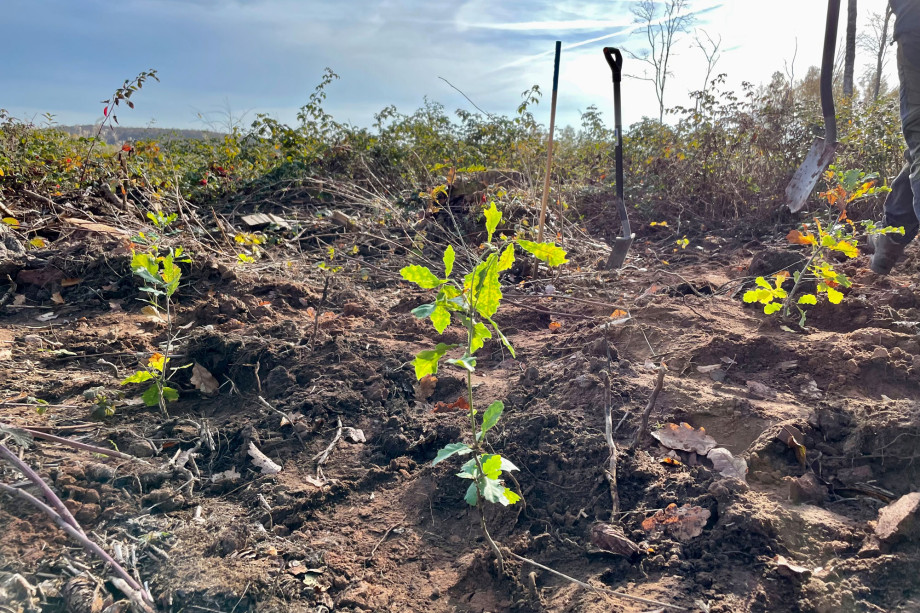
(249, 56)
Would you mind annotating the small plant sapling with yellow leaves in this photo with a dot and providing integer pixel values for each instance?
(161, 275)
(837, 234)
(472, 302)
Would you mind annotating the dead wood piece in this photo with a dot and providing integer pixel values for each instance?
(258, 221)
(341, 219)
(643, 428)
(78, 445)
(611, 472)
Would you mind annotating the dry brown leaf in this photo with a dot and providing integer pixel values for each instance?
(426, 386)
(5, 354)
(791, 436)
(71, 282)
(19, 300)
(727, 464)
(685, 438)
(151, 312)
(56, 298)
(610, 538)
(460, 404)
(203, 379)
(682, 523)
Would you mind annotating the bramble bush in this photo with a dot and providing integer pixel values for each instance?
(728, 157)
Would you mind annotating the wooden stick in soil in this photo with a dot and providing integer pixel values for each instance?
(611, 472)
(549, 152)
(77, 534)
(316, 314)
(643, 428)
(598, 590)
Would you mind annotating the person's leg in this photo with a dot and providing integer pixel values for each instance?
(902, 206)
(899, 206)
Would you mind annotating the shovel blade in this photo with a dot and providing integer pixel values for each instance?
(618, 255)
(806, 177)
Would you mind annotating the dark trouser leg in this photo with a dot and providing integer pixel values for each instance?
(899, 207)
(902, 207)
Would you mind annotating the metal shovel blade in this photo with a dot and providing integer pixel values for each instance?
(621, 247)
(806, 177)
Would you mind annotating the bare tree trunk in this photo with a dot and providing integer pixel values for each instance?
(880, 57)
(849, 61)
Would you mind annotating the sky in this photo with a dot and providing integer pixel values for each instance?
(223, 61)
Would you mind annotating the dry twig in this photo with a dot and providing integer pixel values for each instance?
(643, 428)
(598, 590)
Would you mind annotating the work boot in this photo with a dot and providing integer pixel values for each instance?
(886, 253)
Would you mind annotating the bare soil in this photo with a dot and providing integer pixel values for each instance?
(379, 529)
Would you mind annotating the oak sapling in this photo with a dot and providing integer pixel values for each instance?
(472, 302)
(161, 274)
(838, 234)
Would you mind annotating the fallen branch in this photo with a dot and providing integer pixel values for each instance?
(598, 590)
(62, 511)
(77, 445)
(77, 533)
(643, 428)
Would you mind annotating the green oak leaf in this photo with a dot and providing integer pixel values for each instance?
(449, 450)
(426, 362)
(547, 252)
(421, 276)
(449, 257)
(493, 217)
(423, 311)
(507, 258)
(440, 317)
(151, 396)
(138, 377)
(492, 414)
(472, 495)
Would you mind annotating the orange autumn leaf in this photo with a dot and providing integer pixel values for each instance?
(460, 404)
(617, 314)
(554, 325)
(797, 238)
(264, 303)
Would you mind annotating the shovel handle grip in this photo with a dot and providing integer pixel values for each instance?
(615, 61)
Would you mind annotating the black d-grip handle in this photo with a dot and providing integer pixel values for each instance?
(615, 60)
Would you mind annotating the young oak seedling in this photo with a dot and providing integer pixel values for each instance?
(473, 302)
(161, 275)
(838, 234)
